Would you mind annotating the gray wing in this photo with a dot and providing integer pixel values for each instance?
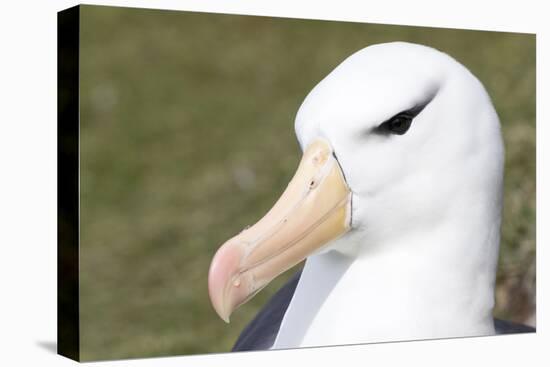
(509, 327)
(261, 332)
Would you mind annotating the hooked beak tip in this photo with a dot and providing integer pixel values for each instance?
(222, 268)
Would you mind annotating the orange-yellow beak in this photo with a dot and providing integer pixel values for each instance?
(314, 209)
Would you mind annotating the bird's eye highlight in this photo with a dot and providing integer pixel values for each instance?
(399, 124)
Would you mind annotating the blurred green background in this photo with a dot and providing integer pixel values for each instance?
(187, 136)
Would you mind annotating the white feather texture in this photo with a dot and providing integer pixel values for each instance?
(420, 260)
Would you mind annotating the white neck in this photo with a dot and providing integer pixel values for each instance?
(421, 286)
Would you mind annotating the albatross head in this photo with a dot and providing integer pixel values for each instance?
(402, 156)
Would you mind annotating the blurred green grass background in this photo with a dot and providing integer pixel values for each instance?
(187, 136)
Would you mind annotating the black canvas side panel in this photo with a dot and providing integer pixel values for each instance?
(68, 333)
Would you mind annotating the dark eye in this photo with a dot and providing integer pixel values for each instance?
(399, 124)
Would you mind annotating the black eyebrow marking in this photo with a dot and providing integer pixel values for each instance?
(410, 112)
(415, 110)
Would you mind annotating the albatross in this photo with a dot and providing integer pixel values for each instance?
(395, 206)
